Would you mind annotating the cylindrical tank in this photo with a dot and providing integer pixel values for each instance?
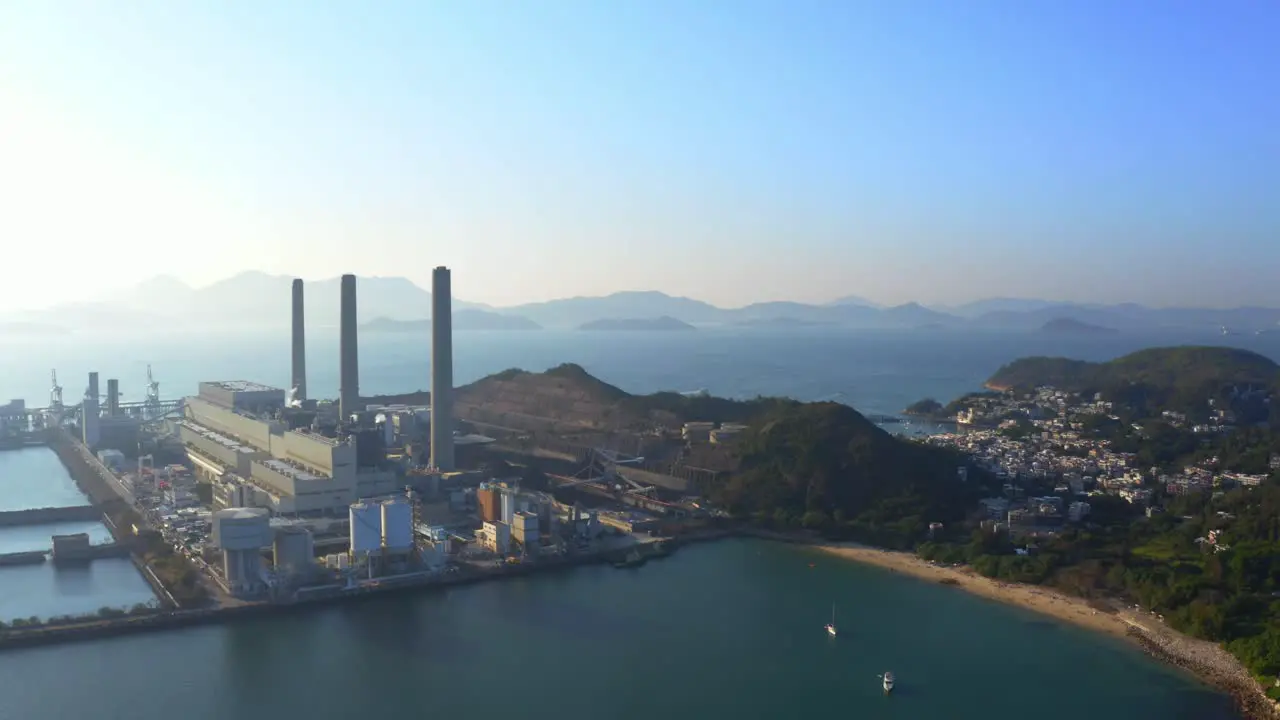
(397, 525)
(366, 528)
(241, 529)
(294, 550)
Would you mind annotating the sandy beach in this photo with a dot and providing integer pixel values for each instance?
(1041, 600)
(1206, 660)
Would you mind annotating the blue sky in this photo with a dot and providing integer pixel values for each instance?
(728, 150)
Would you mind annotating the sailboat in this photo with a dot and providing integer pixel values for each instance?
(831, 627)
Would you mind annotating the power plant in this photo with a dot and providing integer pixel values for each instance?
(298, 346)
(348, 352)
(441, 371)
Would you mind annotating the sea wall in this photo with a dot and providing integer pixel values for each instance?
(49, 515)
(174, 619)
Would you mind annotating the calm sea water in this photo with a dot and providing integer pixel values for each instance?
(725, 630)
(877, 372)
(730, 629)
(34, 477)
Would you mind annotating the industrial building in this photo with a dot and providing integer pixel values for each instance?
(293, 553)
(103, 424)
(241, 429)
(240, 534)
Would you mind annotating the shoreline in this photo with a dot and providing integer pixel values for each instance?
(1206, 661)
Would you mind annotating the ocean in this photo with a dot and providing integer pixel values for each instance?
(875, 371)
(727, 629)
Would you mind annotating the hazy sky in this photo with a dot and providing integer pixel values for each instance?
(727, 150)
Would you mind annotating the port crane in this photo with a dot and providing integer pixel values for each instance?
(153, 389)
(55, 392)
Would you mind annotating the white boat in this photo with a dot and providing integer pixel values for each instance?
(831, 626)
(888, 681)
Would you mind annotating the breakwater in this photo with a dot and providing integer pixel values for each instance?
(49, 515)
(31, 557)
(1213, 665)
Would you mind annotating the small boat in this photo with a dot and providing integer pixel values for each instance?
(888, 682)
(831, 626)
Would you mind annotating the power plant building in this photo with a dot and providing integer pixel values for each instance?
(525, 531)
(241, 534)
(230, 427)
(489, 502)
(495, 537)
(293, 551)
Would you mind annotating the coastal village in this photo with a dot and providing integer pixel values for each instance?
(1041, 441)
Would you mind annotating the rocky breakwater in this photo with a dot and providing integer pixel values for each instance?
(1207, 661)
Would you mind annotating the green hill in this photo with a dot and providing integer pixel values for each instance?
(1174, 378)
(825, 465)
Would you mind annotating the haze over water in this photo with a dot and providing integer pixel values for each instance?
(875, 371)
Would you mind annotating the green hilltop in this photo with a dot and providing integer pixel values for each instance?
(1171, 378)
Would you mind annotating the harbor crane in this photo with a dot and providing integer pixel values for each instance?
(153, 389)
(55, 392)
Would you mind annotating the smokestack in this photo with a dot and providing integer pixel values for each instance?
(89, 414)
(441, 370)
(113, 397)
(300, 343)
(348, 361)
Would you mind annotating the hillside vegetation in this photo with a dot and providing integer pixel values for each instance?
(1177, 378)
(825, 466)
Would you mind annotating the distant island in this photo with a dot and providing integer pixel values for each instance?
(780, 322)
(462, 320)
(663, 323)
(1154, 367)
(1071, 326)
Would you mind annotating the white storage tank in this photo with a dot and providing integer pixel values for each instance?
(366, 528)
(397, 525)
(294, 550)
(241, 529)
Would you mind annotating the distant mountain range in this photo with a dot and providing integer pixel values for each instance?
(258, 300)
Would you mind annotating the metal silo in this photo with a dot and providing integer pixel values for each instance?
(366, 528)
(397, 525)
(294, 551)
